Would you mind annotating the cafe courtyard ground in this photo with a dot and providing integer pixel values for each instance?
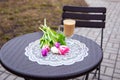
(110, 67)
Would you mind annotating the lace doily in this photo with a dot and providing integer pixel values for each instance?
(78, 51)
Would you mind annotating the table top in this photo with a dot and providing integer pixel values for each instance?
(12, 57)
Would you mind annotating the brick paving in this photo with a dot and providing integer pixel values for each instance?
(110, 69)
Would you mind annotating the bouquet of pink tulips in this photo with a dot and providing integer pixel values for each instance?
(52, 41)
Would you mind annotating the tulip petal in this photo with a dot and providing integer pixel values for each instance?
(44, 52)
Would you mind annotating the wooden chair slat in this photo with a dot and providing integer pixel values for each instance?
(84, 9)
(84, 16)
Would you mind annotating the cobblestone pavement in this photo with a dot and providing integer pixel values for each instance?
(110, 69)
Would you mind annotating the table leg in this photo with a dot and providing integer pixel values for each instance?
(95, 73)
(99, 72)
(87, 75)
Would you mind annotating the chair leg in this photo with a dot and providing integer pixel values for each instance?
(99, 72)
(86, 78)
(95, 73)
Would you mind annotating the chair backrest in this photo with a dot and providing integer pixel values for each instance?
(88, 17)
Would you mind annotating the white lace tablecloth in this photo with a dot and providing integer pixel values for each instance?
(78, 51)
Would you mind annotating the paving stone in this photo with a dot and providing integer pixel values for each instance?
(1, 72)
(119, 54)
(91, 76)
(117, 71)
(76, 30)
(11, 77)
(109, 45)
(105, 39)
(2, 69)
(92, 38)
(116, 45)
(103, 68)
(82, 31)
(3, 76)
(93, 34)
(19, 78)
(116, 78)
(118, 36)
(116, 75)
(114, 41)
(118, 59)
(118, 65)
(110, 51)
(109, 61)
(104, 77)
(109, 71)
(106, 55)
(107, 64)
(113, 57)
(113, 36)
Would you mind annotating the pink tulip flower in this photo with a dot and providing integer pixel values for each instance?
(63, 50)
(45, 50)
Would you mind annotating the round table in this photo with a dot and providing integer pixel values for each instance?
(12, 58)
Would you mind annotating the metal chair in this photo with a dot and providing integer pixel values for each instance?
(87, 17)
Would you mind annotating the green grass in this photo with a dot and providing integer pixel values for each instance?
(18, 17)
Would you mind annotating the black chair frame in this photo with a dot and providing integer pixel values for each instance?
(87, 17)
